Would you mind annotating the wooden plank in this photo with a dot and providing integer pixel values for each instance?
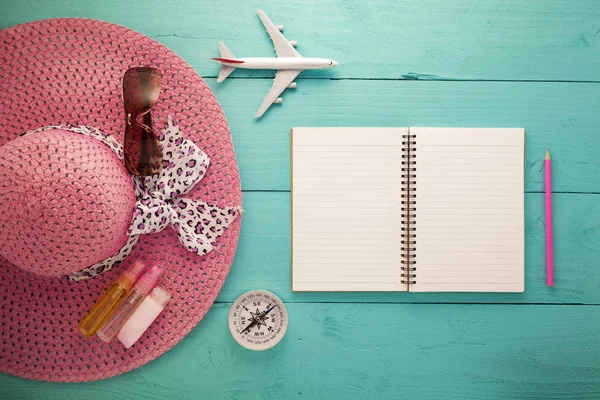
(429, 39)
(263, 256)
(370, 351)
(562, 117)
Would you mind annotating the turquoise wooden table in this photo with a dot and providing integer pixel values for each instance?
(410, 62)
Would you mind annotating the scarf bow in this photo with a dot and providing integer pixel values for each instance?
(198, 225)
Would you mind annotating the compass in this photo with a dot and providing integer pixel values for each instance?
(258, 320)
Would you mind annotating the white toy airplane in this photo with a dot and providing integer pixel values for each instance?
(288, 63)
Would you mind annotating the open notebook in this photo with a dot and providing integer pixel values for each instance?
(408, 209)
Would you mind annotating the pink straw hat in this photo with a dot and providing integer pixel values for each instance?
(70, 208)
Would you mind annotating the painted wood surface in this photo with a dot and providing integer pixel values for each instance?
(402, 63)
(371, 351)
(406, 39)
(263, 256)
(563, 117)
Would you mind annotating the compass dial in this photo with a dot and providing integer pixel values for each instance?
(258, 320)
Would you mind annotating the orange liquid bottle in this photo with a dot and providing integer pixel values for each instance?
(111, 300)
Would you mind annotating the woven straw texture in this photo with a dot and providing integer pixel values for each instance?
(67, 202)
(69, 71)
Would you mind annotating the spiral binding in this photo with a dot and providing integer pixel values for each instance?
(409, 211)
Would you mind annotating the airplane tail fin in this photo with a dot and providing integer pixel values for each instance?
(225, 69)
(225, 52)
(224, 73)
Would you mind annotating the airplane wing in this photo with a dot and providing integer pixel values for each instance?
(282, 80)
(283, 48)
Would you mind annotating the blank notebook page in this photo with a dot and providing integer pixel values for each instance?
(469, 217)
(346, 213)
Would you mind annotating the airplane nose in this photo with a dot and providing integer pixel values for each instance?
(334, 63)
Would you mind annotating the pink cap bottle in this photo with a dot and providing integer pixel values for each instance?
(143, 316)
(139, 292)
(147, 282)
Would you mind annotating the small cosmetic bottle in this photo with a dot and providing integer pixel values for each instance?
(135, 297)
(145, 314)
(111, 300)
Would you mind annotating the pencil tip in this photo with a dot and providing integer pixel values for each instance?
(547, 154)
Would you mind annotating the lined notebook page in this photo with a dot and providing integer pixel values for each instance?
(469, 219)
(346, 214)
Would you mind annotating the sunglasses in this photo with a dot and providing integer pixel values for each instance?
(142, 152)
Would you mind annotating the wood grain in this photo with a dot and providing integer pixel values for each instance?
(370, 351)
(263, 256)
(562, 117)
(384, 39)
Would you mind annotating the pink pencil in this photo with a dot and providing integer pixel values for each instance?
(549, 258)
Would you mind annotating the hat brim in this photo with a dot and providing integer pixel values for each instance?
(69, 71)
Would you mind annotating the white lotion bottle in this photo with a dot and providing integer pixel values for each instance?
(143, 316)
